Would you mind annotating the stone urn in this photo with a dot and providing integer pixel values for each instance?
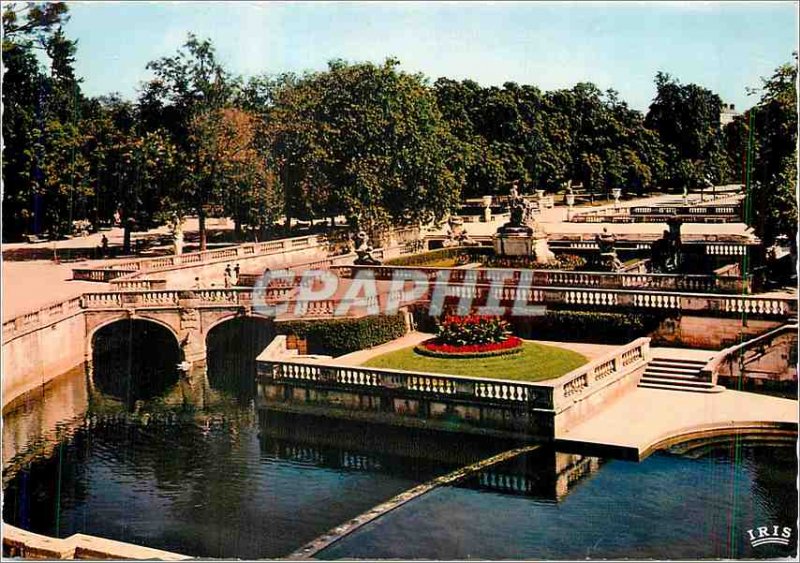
(487, 208)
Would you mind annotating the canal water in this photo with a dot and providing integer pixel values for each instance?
(197, 469)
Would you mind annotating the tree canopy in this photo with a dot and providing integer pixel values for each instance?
(367, 141)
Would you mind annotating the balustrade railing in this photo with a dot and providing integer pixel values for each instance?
(47, 314)
(559, 278)
(108, 273)
(555, 394)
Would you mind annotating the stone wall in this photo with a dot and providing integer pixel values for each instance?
(713, 333)
(33, 359)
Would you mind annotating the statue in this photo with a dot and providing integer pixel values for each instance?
(521, 236)
(457, 234)
(665, 253)
(364, 251)
(606, 242)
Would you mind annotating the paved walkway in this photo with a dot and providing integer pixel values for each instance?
(645, 417)
(554, 221)
(27, 286)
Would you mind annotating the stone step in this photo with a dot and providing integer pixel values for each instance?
(714, 389)
(671, 369)
(676, 382)
(695, 364)
(682, 376)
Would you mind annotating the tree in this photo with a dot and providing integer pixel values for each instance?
(686, 119)
(771, 128)
(229, 168)
(189, 88)
(365, 141)
(134, 171)
(43, 171)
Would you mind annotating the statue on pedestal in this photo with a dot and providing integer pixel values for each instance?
(606, 242)
(364, 251)
(521, 236)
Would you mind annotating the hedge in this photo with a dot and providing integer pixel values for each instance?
(439, 254)
(592, 326)
(335, 337)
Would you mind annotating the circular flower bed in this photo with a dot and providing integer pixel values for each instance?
(436, 349)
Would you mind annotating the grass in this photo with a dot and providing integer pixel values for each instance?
(536, 362)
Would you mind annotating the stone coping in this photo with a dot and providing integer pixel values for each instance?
(28, 545)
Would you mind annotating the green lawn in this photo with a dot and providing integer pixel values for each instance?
(536, 362)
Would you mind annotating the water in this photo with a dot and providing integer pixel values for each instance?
(667, 507)
(196, 469)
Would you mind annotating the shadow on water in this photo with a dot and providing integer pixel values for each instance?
(232, 347)
(134, 360)
(224, 479)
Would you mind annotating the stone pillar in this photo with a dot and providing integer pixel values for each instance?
(192, 339)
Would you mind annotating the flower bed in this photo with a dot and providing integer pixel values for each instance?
(436, 349)
(472, 336)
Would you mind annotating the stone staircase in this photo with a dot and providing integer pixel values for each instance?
(677, 374)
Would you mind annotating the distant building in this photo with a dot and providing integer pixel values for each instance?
(727, 114)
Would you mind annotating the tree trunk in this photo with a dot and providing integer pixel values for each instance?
(237, 229)
(126, 237)
(201, 221)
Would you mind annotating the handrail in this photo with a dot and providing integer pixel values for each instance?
(160, 263)
(711, 368)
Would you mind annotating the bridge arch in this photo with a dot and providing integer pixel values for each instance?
(94, 329)
(232, 345)
(134, 358)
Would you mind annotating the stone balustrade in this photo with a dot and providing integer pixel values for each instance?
(44, 316)
(732, 361)
(562, 278)
(666, 300)
(544, 400)
(108, 273)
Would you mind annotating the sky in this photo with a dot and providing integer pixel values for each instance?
(724, 46)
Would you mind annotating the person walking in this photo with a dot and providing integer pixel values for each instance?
(236, 275)
(228, 276)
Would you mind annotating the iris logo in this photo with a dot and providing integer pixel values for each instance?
(769, 535)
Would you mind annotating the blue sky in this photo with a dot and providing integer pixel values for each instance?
(723, 46)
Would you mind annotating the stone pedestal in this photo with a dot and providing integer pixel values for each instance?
(541, 249)
(513, 241)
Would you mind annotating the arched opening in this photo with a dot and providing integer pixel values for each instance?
(232, 347)
(134, 359)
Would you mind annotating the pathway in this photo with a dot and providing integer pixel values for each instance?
(643, 418)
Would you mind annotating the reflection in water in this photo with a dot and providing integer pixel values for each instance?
(134, 360)
(232, 349)
(197, 469)
(667, 507)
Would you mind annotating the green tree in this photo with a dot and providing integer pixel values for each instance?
(686, 119)
(190, 86)
(366, 141)
(773, 156)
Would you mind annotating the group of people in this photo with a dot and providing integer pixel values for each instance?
(230, 278)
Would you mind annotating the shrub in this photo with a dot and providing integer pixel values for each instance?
(592, 326)
(463, 255)
(335, 337)
(471, 330)
(561, 262)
